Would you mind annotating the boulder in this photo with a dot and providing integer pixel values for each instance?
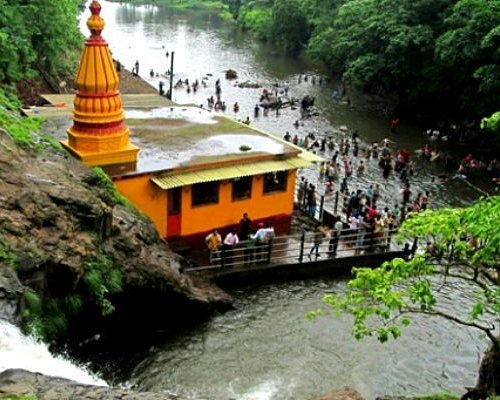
(231, 74)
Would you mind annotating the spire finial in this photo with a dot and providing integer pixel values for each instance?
(95, 23)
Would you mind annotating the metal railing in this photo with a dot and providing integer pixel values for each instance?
(305, 247)
(340, 201)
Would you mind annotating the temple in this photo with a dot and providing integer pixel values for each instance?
(197, 170)
(98, 135)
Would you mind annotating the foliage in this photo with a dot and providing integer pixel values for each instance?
(105, 182)
(463, 244)
(469, 50)
(102, 277)
(257, 19)
(290, 27)
(35, 37)
(23, 397)
(24, 131)
(7, 256)
(49, 317)
(492, 122)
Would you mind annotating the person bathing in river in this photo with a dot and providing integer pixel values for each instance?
(256, 111)
(236, 107)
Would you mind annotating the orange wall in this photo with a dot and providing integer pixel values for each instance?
(228, 212)
(147, 197)
(152, 201)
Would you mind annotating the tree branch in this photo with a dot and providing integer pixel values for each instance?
(487, 330)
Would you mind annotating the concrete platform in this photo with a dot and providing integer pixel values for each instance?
(61, 105)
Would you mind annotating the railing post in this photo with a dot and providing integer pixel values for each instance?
(336, 202)
(389, 237)
(304, 197)
(269, 251)
(321, 204)
(222, 257)
(302, 240)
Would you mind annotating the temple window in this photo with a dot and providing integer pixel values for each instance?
(242, 188)
(275, 181)
(205, 193)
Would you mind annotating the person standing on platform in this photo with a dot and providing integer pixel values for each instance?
(311, 201)
(245, 224)
(228, 247)
(317, 240)
(214, 243)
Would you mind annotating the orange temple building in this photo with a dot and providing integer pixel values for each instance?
(196, 170)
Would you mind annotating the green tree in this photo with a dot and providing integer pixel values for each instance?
(385, 45)
(469, 49)
(256, 16)
(290, 28)
(462, 245)
(38, 39)
(16, 52)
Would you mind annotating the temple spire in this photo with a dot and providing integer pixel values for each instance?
(98, 135)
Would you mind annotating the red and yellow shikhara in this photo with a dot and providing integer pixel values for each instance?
(98, 135)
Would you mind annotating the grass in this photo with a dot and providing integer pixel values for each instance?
(105, 182)
(24, 131)
(438, 396)
(7, 255)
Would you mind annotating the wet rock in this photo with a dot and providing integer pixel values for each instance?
(345, 393)
(249, 85)
(54, 219)
(11, 291)
(231, 74)
(17, 382)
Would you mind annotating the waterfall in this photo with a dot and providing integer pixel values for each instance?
(20, 351)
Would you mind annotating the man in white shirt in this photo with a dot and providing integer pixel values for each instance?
(228, 247)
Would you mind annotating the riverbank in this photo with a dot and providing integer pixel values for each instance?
(218, 7)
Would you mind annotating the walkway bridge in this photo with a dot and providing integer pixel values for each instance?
(295, 256)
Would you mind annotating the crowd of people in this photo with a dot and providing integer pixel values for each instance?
(361, 207)
(254, 241)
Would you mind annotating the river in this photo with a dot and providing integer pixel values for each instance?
(265, 348)
(205, 47)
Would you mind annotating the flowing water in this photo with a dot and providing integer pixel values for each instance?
(24, 352)
(265, 348)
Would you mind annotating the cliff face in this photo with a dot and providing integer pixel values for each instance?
(53, 219)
